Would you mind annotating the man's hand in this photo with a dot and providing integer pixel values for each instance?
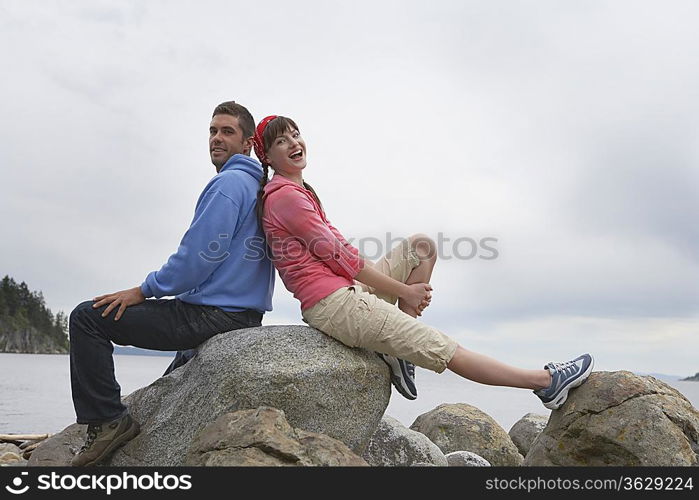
(122, 299)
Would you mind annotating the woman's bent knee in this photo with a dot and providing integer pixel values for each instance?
(424, 246)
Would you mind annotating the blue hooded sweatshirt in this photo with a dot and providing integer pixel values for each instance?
(222, 259)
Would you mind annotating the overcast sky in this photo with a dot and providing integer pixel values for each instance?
(566, 131)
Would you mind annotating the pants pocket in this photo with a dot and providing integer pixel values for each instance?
(358, 321)
(221, 321)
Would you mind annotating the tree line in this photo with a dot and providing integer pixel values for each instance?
(20, 308)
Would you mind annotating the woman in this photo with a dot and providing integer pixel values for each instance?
(339, 290)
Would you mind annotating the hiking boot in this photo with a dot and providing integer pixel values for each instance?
(564, 377)
(103, 439)
(402, 375)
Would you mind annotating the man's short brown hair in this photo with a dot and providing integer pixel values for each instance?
(245, 119)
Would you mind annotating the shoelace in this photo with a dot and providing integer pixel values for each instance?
(411, 369)
(566, 366)
(92, 431)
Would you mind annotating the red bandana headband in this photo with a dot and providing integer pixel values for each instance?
(258, 139)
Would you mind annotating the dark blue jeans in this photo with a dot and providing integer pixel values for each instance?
(159, 324)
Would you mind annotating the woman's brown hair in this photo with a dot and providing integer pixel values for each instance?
(274, 129)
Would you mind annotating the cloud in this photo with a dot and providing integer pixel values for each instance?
(651, 345)
(565, 131)
(643, 184)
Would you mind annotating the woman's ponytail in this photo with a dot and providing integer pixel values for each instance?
(315, 195)
(261, 193)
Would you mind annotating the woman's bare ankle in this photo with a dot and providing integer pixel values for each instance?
(406, 309)
(543, 380)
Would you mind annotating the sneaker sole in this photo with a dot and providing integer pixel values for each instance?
(396, 380)
(557, 402)
(122, 439)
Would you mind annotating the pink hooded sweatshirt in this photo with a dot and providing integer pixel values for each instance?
(312, 257)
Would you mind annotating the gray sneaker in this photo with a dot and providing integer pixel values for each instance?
(402, 375)
(564, 377)
(103, 439)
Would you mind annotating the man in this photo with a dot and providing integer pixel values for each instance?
(216, 290)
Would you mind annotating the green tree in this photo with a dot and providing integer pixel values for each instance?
(3, 303)
(21, 309)
(9, 288)
(60, 328)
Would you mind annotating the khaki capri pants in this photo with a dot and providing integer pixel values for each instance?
(358, 316)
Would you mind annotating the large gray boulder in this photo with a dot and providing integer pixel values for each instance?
(321, 385)
(620, 419)
(462, 427)
(526, 429)
(263, 437)
(393, 444)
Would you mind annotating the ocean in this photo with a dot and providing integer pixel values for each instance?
(35, 392)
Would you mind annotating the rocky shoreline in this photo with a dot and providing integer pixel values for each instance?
(25, 342)
(289, 395)
(16, 449)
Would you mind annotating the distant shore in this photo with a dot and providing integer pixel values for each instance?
(118, 349)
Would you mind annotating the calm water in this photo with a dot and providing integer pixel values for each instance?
(35, 392)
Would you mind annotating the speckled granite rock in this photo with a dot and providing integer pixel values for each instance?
(393, 444)
(321, 385)
(462, 427)
(620, 419)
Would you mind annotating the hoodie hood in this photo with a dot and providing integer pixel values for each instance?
(246, 164)
(279, 181)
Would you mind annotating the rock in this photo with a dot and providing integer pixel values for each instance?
(620, 419)
(393, 444)
(19, 463)
(466, 459)
(263, 437)
(462, 427)
(29, 340)
(526, 429)
(10, 448)
(321, 385)
(9, 457)
(58, 450)
(423, 464)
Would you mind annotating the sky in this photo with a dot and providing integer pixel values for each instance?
(550, 147)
